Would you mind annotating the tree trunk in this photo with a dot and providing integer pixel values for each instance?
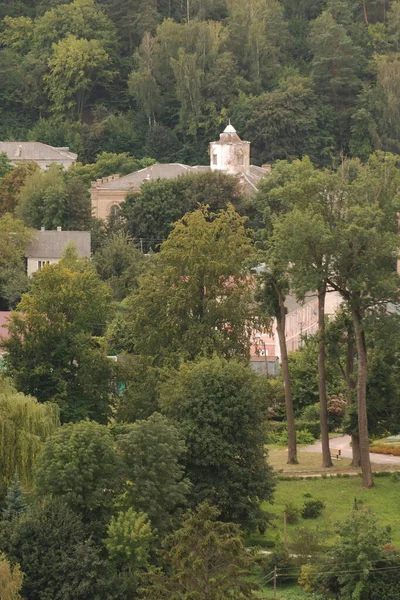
(366, 471)
(351, 384)
(280, 327)
(355, 447)
(323, 399)
(365, 12)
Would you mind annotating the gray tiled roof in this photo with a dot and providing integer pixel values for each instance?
(36, 151)
(52, 244)
(134, 181)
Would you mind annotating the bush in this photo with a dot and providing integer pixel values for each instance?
(383, 449)
(395, 477)
(312, 509)
(280, 558)
(313, 427)
(292, 512)
(310, 413)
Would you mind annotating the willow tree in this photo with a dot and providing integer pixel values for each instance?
(25, 424)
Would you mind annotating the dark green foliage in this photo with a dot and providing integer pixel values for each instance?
(363, 542)
(52, 353)
(58, 559)
(79, 464)
(153, 452)
(161, 79)
(220, 407)
(204, 558)
(139, 393)
(312, 509)
(119, 263)
(151, 214)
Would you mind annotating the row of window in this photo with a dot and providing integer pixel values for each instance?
(41, 263)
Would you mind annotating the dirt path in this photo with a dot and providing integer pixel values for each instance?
(343, 443)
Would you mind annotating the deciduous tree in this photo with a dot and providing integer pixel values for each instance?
(153, 454)
(220, 407)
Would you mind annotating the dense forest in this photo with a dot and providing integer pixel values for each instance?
(160, 78)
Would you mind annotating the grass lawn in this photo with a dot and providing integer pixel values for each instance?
(310, 462)
(338, 495)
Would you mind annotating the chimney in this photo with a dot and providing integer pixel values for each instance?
(59, 229)
(266, 167)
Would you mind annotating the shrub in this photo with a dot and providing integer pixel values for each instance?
(383, 449)
(313, 427)
(280, 558)
(292, 512)
(310, 413)
(312, 509)
(395, 477)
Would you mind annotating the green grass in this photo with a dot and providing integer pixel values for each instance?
(338, 495)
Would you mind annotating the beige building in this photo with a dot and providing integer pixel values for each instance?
(229, 154)
(48, 247)
(42, 154)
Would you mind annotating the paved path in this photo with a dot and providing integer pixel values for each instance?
(343, 443)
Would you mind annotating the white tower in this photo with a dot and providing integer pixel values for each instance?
(230, 153)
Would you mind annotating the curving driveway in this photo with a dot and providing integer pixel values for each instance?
(343, 443)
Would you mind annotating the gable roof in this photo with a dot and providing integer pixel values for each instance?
(52, 244)
(134, 181)
(36, 151)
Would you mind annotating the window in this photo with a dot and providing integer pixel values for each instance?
(39, 265)
(215, 158)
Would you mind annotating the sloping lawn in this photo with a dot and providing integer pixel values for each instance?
(338, 495)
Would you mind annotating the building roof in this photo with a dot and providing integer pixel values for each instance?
(52, 244)
(36, 151)
(134, 181)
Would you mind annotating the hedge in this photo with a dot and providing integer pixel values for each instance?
(382, 449)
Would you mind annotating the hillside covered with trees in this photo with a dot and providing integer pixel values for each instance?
(159, 79)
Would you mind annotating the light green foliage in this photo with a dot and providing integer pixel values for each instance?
(11, 184)
(153, 452)
(76, 66)
(107, 163)
(24, 427)
(195, 297)
(204, 559)
(79, 464)
(10, 580)
(220, 407)
(260, 31)
(52, 199)
(129, 539)
(52, 352)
